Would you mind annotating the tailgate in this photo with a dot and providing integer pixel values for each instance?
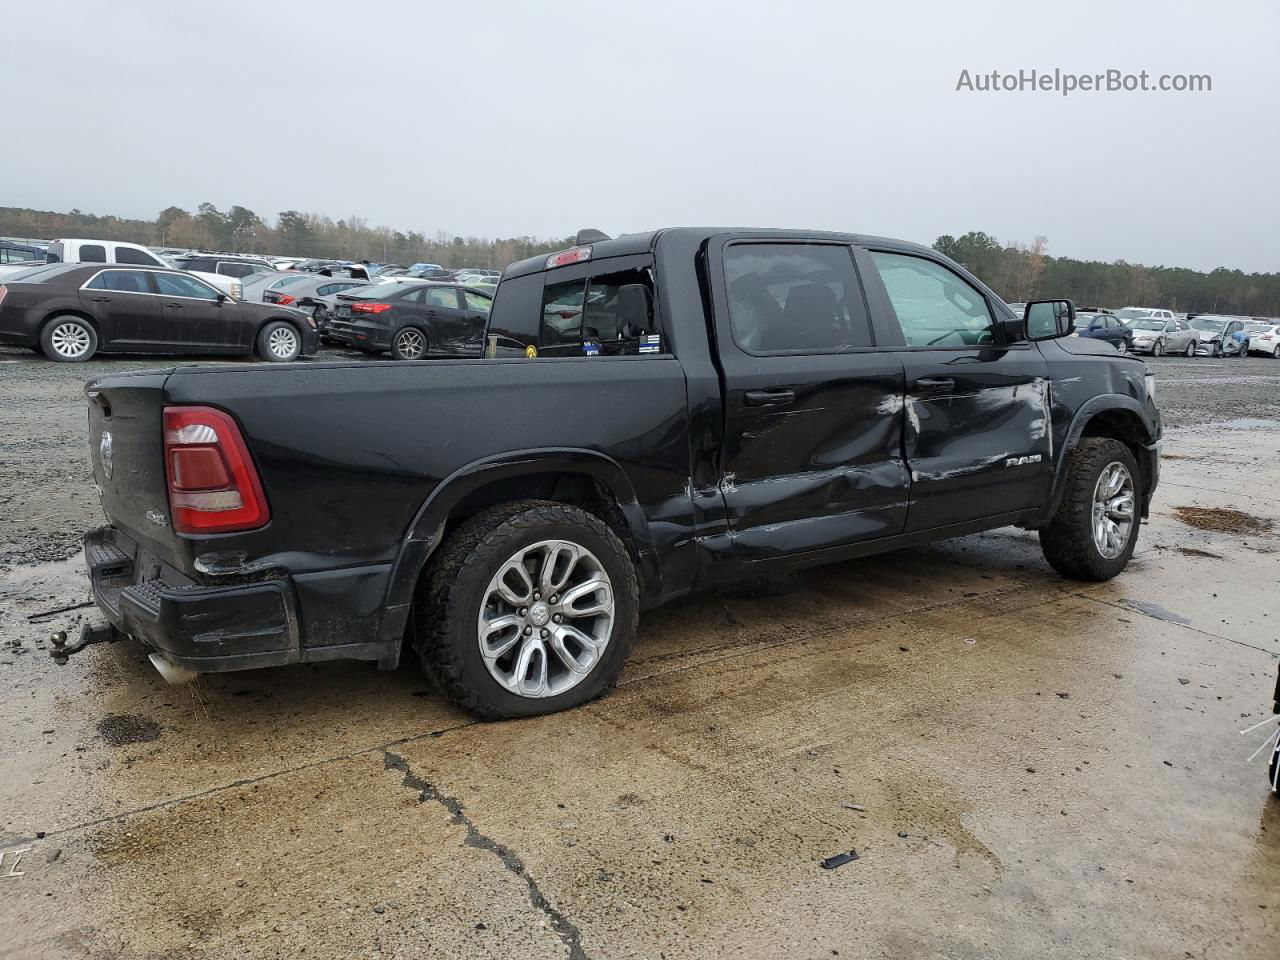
(126, 446)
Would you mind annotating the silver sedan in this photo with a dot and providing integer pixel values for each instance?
(1158, 337)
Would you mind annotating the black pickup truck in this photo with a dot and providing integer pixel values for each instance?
(653, 414)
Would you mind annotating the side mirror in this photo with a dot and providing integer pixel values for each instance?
(635, 310)
(223, 298)
(1049, 319)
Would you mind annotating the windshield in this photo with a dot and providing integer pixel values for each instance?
(290, 280)
(1083, 320)
(1212, 326)
(1147, 324)
(1256, 327)
(1133, 313)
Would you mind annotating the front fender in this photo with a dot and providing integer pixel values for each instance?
(1148, 433)
(427, 529)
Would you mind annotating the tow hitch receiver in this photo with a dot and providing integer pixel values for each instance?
(89, 633)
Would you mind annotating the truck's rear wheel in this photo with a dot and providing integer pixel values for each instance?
(1093, 534)
(528, 608)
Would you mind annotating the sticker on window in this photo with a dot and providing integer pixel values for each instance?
(651, 343)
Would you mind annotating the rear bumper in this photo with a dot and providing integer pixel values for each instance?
(206, 629)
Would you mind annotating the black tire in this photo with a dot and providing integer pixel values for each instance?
(1158, 349)
(1272, 779)
(1216, 350)
(449, 601)
(1191, 349)
(409, 343)
(272, 340)
(1067, 541)
(68, 339)
(1275, 354)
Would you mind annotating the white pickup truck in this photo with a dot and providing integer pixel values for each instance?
(113, 251)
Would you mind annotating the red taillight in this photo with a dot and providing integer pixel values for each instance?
(370, 307)
(213, 484)
(284, 299)
(566, 314)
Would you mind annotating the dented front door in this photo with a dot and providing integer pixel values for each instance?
(978, 439)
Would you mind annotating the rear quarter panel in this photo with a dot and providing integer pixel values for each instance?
(348, 454)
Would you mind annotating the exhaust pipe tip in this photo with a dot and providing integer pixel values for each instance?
(173, 674)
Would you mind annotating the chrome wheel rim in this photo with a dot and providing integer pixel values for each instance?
(411, 344)
(1113, 509)
(546, 619)
(1191, 349)
(1124, 346)
(70, 340)
(282, 343)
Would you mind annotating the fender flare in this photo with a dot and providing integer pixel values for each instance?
(426, 531)
(1102, 403)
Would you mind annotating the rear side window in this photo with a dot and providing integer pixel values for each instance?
(795, 298)
(476, 302)
(93, 253)
(55, 253)
(122, 281)
(129, 255)
(237, 270)
(445, 298)
(935, 307)
(515, 317)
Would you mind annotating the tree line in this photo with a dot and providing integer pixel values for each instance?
(296, 234)
(1021, 272)
(1017, 271)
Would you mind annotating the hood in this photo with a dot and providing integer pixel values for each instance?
(1204, 336)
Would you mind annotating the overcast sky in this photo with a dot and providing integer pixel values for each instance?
(502, 119)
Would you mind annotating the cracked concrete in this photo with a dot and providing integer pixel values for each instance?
(1034, 776)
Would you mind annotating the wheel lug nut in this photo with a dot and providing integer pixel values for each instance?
(524, 611)
(554, 599)
(557, 618)
(537, 596)
(546, 632)
(528, 630)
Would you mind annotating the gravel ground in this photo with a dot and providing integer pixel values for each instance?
(46, 493)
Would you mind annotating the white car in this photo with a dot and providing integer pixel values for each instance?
(116, 251)
(1219, 336)
(1263, 338)
(1144, 313)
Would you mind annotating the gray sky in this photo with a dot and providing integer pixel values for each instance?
(486, 118)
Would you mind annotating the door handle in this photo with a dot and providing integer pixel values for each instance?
(101, 299)
(934, 385)
(769, 398)
(174, 306)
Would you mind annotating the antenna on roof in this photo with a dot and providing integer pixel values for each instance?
(590, 235)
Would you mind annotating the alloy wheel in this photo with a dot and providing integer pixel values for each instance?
(546, 619)
(1113, 510)
(70, 340)
(411, 344)
(283, 342)
(1158, 349)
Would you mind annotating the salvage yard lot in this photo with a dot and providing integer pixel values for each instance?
(1026, 766)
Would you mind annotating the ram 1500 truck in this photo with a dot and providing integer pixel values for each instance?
(653, 414)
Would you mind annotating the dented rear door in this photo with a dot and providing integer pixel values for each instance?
(812, 456)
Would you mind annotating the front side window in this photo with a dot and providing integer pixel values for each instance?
(795, 298)
(93, 253)
(129, 255)
(477, 302)
(122, 281)
(177, 285)
(935, 307)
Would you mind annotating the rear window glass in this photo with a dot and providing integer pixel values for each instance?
(290, 281)
(129, 255)
(46, 271)
(93, 253)
(795, 297)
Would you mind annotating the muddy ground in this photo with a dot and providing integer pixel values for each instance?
(1026, 767)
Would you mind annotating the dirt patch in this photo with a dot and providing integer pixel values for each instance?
(1193, 552)
(1221, 520)
(121, 728)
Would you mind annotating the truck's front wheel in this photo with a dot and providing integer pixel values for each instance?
(1093, 534)
(528, 608)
